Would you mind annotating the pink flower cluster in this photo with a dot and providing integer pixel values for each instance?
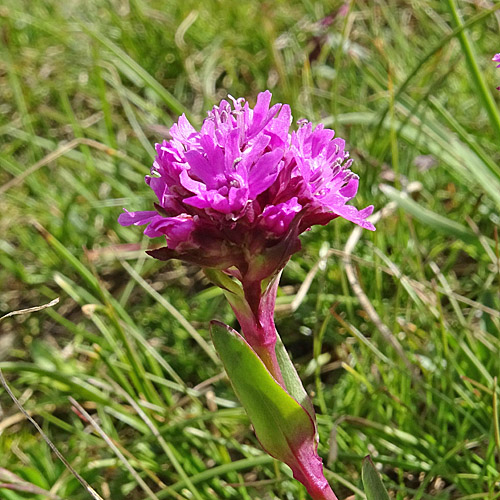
(244, 186)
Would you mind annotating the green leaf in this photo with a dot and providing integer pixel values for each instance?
(280, 423)
(374, 488)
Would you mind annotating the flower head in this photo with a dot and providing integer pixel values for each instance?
(236, 194)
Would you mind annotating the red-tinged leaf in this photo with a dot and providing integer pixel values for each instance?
(281, 424)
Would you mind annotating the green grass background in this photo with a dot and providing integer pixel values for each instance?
(86, 89)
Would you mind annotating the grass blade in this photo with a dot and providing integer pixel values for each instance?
(173, 104)
(475, 72)
(430, 218)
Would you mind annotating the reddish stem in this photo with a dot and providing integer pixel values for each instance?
(307, 468)
(321, 494)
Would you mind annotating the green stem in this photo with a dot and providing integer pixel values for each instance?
(474, 70)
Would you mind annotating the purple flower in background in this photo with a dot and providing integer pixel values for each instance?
(236, 194)
(496, 58)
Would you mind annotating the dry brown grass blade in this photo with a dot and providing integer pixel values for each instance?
(115, 449)
(423, 288)
(52, 446)
(11, 481)
(19, 179)
(361, 295)
(303, 289)
(30, 309)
